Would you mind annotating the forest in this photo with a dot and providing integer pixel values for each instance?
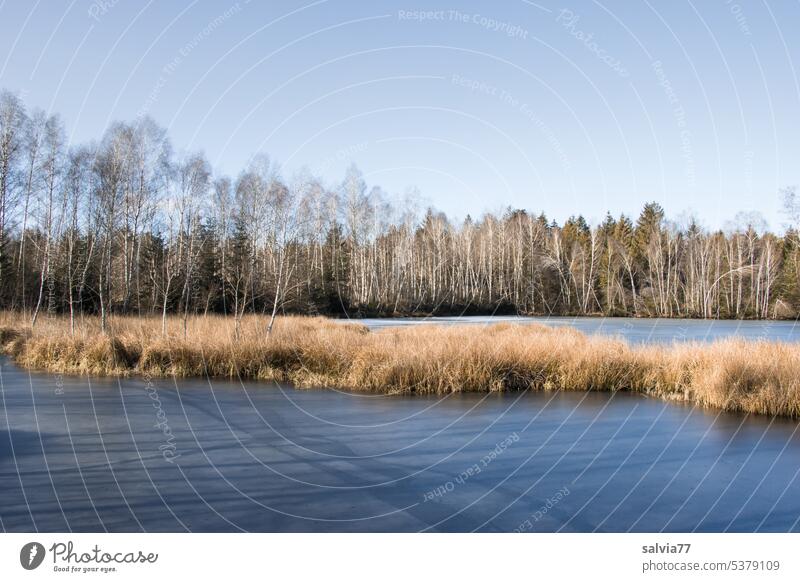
(127, 226)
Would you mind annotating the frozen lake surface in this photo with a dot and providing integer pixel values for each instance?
(635, 330)
(197, 455)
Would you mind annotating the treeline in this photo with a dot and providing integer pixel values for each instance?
(125, 225)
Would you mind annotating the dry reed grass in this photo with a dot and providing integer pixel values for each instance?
(758, 377)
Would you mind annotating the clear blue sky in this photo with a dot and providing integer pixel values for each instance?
(570, 107)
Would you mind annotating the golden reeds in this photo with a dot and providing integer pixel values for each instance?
(759, 377)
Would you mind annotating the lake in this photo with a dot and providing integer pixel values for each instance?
(81, 454)
(634, 330)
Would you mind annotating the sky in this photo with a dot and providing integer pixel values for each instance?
(570, 107)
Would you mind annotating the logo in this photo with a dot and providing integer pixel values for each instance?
(31, 555)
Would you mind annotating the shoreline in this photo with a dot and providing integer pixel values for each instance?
(447, 314)
(753, 376)
(358, 315)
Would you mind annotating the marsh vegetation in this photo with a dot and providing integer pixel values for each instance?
(752, 376)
